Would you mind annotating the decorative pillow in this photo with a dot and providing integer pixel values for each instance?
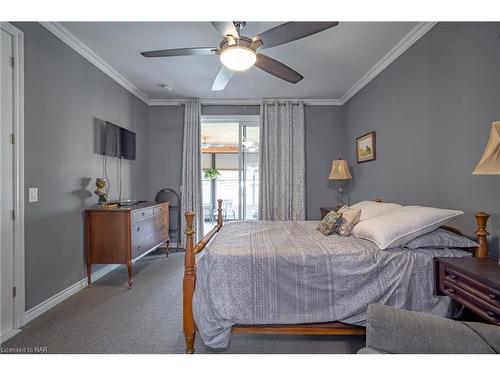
(402, 225)
(371, 208)
(441, 238)
(327, 225)
(349, 218)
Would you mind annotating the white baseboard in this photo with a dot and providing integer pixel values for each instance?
(39, 309)
(7, 335)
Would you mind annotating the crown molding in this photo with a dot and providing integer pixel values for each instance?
(408, 40)
(71, 40)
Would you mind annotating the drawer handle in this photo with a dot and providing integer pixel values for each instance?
(451, 290)
(492, 296)
(491, 314)
(453, 276)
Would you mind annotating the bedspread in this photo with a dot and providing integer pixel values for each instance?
(272, 272)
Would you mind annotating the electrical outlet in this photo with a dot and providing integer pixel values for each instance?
(32, 195)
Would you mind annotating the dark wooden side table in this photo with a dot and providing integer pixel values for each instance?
(324, 210)
(472, 282)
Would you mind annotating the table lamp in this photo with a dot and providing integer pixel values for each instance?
(340, 172)
(490, 162)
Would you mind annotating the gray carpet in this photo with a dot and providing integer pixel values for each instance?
(110, 318)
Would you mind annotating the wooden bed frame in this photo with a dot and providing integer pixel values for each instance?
(330, 328)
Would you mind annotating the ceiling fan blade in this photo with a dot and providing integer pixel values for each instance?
(222, 78)
(226, 28)
(290, 31)
(277, 69)
(180, 52)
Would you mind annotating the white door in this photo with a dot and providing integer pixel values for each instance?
(6, 187)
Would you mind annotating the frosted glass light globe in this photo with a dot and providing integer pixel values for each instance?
(238, 58)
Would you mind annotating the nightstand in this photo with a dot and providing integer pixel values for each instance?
(324, 210)
(472, 282)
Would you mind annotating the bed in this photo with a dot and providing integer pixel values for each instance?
(287, 278)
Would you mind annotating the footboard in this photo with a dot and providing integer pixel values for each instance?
(189, 281)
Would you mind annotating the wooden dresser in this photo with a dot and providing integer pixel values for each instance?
(124, 234)
(472, 282)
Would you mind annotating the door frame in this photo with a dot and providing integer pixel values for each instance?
(18, 169)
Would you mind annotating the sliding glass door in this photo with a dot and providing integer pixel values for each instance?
(230, 163)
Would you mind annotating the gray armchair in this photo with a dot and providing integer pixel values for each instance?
(391, 330)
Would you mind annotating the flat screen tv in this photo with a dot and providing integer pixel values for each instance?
(118, 142)
(110, 141)
(127, 144)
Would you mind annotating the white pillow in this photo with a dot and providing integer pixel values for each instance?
(402, 225)
(371, 208)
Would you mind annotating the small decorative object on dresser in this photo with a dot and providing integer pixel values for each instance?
(340, 171)
(100, 184)
(366, 148)
(122, 235)
(472, 282)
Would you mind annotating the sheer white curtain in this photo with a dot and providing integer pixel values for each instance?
(282, 163)
(191, 198)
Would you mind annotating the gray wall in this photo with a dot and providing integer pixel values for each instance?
(64, 93)
(432, 110)
(324, 142)
(165, 125)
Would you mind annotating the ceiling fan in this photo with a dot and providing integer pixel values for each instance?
(238, 52)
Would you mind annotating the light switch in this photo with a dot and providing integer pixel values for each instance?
(32, 195)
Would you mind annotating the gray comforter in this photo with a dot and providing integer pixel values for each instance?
(272, 272)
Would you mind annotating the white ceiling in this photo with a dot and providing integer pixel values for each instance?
(332, 62)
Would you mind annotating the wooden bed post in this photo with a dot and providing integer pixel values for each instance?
(189, 280)
(482, 233)
(188, 285)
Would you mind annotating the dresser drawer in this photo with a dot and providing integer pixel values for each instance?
(160, 209)
(460, 280)
(147, 242)
(142, 245)
(142, 228)
(141, 214)
(477, 305)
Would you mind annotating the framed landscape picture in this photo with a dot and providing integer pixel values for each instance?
(366, 148)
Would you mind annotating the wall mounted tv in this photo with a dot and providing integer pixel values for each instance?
(117, 142)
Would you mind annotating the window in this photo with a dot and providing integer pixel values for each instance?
(230, 163)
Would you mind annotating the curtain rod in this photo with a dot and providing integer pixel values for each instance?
(244, 102)
(245, 105)
(181, 104)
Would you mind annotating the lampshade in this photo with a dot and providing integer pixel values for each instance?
(339, 171)
(490, 162)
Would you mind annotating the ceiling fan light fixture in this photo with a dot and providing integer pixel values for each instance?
(238, 57)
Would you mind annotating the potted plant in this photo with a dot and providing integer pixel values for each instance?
(211, 174)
